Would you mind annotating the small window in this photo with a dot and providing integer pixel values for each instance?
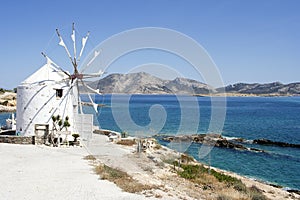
(59, 93)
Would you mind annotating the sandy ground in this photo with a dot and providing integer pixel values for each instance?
(40, 172)
(36, 172)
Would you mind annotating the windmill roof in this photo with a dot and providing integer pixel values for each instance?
(46, 73)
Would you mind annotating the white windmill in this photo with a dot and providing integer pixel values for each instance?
(52, 91)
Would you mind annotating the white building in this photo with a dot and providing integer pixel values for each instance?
(51, 91)
(44, 94)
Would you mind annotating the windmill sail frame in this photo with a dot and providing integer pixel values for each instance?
(37, 95)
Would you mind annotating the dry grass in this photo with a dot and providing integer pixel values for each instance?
(90, 157)
(121, 179)
(225, 186)
(230, 193)
(126, 142)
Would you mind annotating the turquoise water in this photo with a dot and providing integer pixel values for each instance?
(276, 118)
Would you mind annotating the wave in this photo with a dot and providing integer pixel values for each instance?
(238, 139)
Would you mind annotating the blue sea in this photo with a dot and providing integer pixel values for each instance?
(273, 118)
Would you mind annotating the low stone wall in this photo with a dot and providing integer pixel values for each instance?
(21, 139)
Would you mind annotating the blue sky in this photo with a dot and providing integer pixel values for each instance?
(250, 40)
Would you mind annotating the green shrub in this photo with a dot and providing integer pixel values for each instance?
(224, 178)
(191, 171)
(197, 172)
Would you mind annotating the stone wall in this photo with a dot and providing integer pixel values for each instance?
(21, 139)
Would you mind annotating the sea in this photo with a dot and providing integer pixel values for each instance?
(250, 118)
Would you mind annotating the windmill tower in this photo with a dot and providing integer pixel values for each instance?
(52, 91)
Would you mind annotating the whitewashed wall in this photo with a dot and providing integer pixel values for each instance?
(37, 103)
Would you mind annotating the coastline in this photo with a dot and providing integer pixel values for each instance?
(155, 155)
(230, 94)
(263, 182)
(269, 190)
(67, 165)
(10, 97)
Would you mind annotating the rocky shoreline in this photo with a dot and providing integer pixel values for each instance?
(274, 143)
(208, 139)
(223, 142)
(151, 167)
(154, 170)
(8, 109)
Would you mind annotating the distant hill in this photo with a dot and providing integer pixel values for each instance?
(267, 89)
(144, 83)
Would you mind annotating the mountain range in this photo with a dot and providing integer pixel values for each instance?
(144, 83)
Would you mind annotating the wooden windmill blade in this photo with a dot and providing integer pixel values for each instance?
(77, 77)
(55, 65)
(95, 106)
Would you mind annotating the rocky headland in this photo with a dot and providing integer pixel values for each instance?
(144, 83)
(8, 102)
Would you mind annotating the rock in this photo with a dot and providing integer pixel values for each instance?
(274, 143)
(8, 102)
(7, 109)
(208, 139)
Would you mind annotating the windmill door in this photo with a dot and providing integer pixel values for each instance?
(41, 132)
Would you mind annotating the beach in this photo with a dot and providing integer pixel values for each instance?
(34, 172)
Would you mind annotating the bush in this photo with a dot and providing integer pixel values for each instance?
(224, 178)
(191, 171)
(199, 174)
